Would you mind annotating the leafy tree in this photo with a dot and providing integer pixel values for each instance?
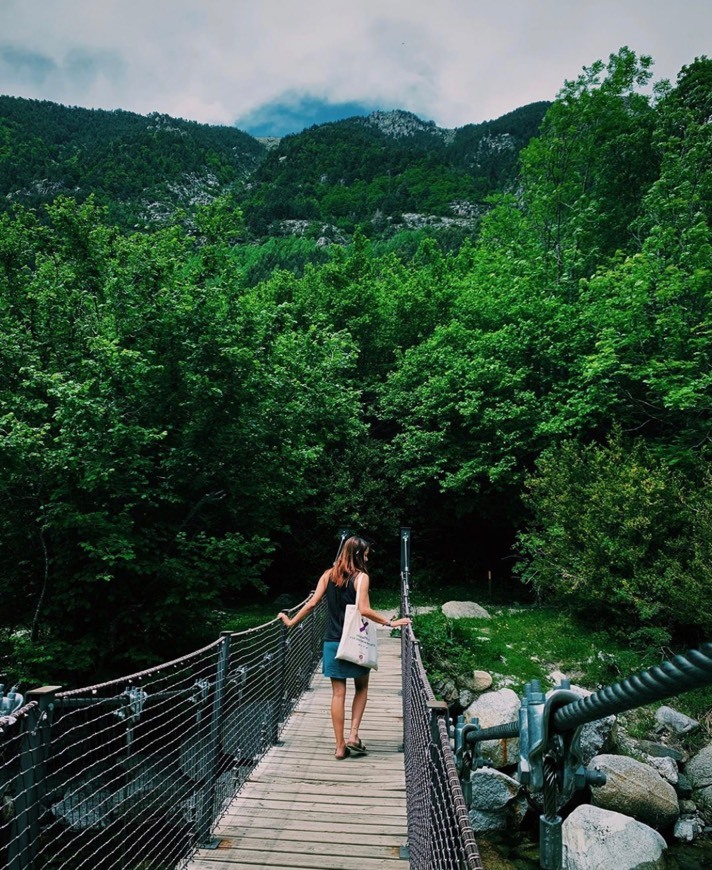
(620, 539)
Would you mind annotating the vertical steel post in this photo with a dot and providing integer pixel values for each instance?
(405, 559)
(212, 750)
(279, 694)
(32, 779)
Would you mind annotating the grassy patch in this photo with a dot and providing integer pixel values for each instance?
(519, 644)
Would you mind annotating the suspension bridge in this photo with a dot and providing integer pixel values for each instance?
(223, 760)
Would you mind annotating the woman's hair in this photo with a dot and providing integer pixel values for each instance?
(350, 560)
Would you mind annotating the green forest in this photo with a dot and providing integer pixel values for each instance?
(191, 407)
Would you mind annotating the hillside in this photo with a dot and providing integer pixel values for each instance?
(142, 167)
(389, 171)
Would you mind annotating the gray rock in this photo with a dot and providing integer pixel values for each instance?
(675, 721)
(465, 698)
(484, 820)
(447, 690)
(659, 750)
(687, 829)
(492, 789)
(699, 768)
(636, 790)
(464, 610)
(497, 708)
(598, 839)
(498, 802)
(684, 785)
(699, 771)
(595, 736)
(480, 681)
(666, 767)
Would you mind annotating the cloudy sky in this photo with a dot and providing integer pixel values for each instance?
(276, 66)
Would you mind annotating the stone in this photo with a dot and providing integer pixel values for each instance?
(464, 610)
(480, 681)
(447, 690)
(666, 767)
(684, 785)
(658, 750)
(465, 698)
(699, 771)
(594, 736)
(497, 708)
(636, 790)
(686, 830)
(492, 789)
(498, 802)
(675, 721)
(699, 767)
(595, 839)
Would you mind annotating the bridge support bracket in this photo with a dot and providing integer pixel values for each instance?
(404, 853)
(212, 843)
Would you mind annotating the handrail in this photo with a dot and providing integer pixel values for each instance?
(136, 771)
(440, 835)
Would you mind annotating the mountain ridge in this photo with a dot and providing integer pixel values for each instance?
(147, 169)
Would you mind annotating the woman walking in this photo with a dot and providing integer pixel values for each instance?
(340, 584)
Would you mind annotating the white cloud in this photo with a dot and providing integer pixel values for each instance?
(454, 61)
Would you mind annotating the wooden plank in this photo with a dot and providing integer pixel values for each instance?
(303, 809)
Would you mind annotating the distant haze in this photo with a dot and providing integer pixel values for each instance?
(277, 66)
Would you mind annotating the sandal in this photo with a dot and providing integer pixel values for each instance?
(346, 754)
(357, 748)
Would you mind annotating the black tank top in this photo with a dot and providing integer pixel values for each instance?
(337, 597)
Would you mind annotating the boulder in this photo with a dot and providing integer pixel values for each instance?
(497, 708)
(498, 802)
(674, 721)
(594, 736)
(465, 698)
(658, 750)
(699, 772)
(480, 681)
(666, 767)
(636, 790)
(595, 838)
(464, 610)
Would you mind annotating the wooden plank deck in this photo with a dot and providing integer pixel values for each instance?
(303, 809)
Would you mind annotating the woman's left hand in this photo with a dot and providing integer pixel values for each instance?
(286, 620)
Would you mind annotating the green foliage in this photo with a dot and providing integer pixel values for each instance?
(187, 414)
(620, 538)
(141, 167)
(526, 643)
(156, 430)
(353, 172)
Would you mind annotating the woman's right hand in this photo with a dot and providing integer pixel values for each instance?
(397, 623)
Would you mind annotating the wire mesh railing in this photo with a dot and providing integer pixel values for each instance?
(440, 835)
(134, 773)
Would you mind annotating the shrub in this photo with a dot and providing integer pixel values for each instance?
(619, 536)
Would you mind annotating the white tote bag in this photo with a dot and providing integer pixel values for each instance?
(358, 639)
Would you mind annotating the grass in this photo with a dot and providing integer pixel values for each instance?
(522, 643)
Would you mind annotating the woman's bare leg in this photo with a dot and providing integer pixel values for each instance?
(338, 702)
(358, 706)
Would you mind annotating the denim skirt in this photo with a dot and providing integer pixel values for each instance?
(333, 667)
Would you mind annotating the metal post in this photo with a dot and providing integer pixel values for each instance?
(279, 694)
(206, 806)
(405, 557)
(32, 782)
